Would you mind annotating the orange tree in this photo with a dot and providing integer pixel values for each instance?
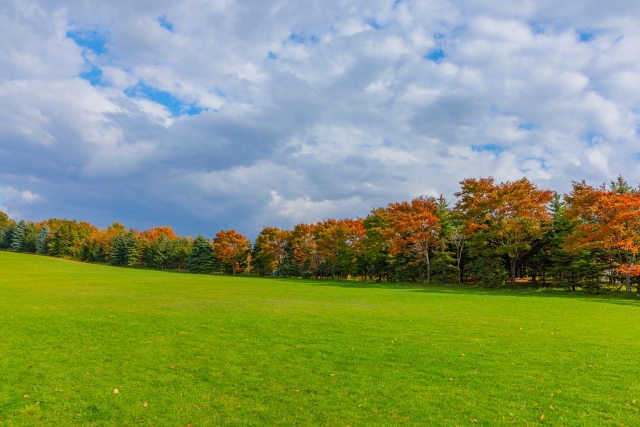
(502, 219)
(231, 249)
(337, 245)
(608, 220)
(414, 231)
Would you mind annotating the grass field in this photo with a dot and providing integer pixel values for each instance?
(219, 350)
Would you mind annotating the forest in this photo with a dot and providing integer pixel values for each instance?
(493, 235)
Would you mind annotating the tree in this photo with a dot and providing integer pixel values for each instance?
(502, 219)
(201, 258)
(4, 220)
(6, 235)
(67, 237)
(304, 250)
(30, 237)
(131, 248)
(374, 246)
(269, 250)
(232, 250)
(118, 250)
(414, 231)
(446, 240)
(43, 240)
(18, 237)
(607, 220)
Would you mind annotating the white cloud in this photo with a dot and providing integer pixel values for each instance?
(320, 108)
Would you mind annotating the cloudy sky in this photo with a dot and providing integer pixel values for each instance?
(210, 114)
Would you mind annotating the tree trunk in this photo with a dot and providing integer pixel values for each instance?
(627, 282)
(513, 271)
(428, 272)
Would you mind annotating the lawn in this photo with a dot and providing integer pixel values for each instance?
(217, 350)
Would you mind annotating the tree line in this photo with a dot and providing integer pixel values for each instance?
(495, 234)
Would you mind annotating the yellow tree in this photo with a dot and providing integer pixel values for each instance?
(504, 219)
(414, 230)
(270, 248)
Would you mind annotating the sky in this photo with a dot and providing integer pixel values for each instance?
(217, 114)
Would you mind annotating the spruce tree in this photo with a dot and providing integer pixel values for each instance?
(131, 249)
(201, 256)
(30, 237)
(6, 235)
(17, 239)
(117, 254)
(42, 240)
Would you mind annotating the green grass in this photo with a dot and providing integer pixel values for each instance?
(219, 350)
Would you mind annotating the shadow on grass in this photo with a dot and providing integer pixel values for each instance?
(605, 296)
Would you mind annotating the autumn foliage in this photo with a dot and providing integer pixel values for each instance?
(590, 238)
(503, 219)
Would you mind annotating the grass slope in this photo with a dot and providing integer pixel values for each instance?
(217, 350)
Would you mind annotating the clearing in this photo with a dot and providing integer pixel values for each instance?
(217, 350)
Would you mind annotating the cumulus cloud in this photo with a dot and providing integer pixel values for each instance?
(243, 114)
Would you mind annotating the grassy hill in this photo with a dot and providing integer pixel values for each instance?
(216, 350)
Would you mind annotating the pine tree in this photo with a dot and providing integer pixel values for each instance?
(117, 254)
(42, 240)
(6, 234)
(201, 256)
(17, 239)
(131, 249)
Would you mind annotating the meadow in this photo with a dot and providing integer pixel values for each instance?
(187, 349)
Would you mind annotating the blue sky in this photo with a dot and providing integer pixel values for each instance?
(244, 114)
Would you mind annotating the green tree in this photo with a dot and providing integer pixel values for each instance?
(67, 237)
(43, 240)
(30, 237)
(118, 252)
(6, 234)
(443, 259)
(201, 258)
(131, 249)
(18, 237)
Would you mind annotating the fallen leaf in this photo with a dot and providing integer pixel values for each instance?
(144, 404)
(26, 396)
(542, 417)
(115, 391)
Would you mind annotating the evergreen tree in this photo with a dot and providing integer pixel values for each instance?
(18, 237)
(443, 260)
(31, 235)
(620, 185)
(201, 256)
(156, 255)
(6, 234)
(118, 252)
(131, 249)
